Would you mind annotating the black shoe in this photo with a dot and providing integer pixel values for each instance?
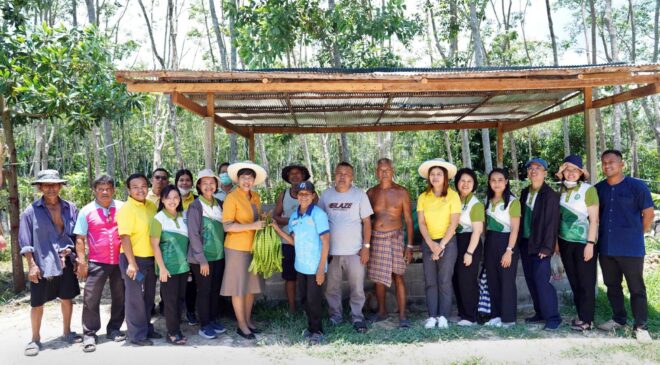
(254, 330)
(534, 319)
(143, 342)
(154, 335)
(247, 336)
(116, 336)
(192, 319)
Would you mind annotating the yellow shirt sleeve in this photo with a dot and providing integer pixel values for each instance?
(454, 202)
(420, 202)
(125, 221)
(229, 209)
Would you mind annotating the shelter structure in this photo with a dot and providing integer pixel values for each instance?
(368, 100)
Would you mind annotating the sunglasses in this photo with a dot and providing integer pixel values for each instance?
(157, 177)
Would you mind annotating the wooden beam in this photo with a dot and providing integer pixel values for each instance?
(209, 143)
(473, 109)
(590, 134)
(404, 114)
(210, 105)
(482, 84)
(184, 102)
(385, 108)
(241, 131)
(555, 104)
(250, 139)
(375, 128)
(599, 103)
(500, 146)
(290, 107)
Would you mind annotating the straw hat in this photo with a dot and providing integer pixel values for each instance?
(48, 177)
(426, 165)
(572, 161)
(207, 173)
(234, 168)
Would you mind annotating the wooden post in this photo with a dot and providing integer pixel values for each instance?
(590, 134)
(500, 146)
(251, 145)
(209, 142)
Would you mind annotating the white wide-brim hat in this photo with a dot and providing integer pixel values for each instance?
(207, 173)
(426, 165)
(234, 168)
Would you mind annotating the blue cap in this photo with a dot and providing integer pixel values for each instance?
(537, 160)
(306, 186)
(575, 160)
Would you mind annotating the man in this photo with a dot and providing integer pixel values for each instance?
(287, 203)
(538, 235)
(626, 212)
(46, 240)
(96, 227)
(160, 178)
(226, 185)
(349, 212)
(136, 260)
(388, 259)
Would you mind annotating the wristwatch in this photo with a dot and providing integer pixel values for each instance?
(591, 242)
(509, 249)
(366, 245)
(468, 253)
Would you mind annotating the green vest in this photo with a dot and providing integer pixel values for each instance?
(213, 233)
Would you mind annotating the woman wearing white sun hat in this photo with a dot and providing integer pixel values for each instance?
(241, 211)
(438, 213)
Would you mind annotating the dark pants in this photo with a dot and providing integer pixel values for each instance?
(208, 291)
(537, 276)
(466, 278)
(191, 293)
(615, 268)
(173, 292)
(438, 279)
(582, 277)
(312, 301)
(98, 274)
(139, 297)
(501, 281)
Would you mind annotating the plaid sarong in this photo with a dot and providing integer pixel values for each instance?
(386, 256)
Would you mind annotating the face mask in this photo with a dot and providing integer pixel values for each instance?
(224, 179)
(570, 184)
(184, 192)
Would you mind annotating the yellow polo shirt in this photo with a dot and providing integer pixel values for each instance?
(237, 208)
(134, 220)
(187, 201)
(438, 211)
(153, 197)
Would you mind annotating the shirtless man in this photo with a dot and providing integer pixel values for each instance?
(388, 258)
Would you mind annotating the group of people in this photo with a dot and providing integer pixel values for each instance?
(199, 247)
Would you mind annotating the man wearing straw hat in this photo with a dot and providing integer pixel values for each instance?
(47, 240)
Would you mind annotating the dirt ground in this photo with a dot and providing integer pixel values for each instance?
(592, 349)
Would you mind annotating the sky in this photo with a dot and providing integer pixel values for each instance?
(536, 29)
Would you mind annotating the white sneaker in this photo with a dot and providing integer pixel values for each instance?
(507, 324)
(430, 323)
(643, 335)
(494, 322)
(442, 322)
(465, 323)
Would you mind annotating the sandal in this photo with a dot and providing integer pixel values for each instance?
(32, 348)
(404, 323)
(360, 327)
(72, 337)
(178, 339)
(89, 344)
(581, 326)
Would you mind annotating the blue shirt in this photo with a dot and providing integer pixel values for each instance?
(37, 234)
(621, 230)
(307, 229)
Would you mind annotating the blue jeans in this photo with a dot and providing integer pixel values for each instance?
(537, 276)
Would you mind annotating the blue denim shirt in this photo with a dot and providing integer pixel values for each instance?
(621, 230)
(37, 234)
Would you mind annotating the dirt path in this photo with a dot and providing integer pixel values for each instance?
(592, 349)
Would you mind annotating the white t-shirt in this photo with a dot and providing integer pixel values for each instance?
(345, 213)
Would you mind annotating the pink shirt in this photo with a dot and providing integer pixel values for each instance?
(100, 227)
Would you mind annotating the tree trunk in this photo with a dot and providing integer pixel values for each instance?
(435, 32)
(465, 148)
(453, 32)
(307, 155)
(109, 147)
(95, 137)
(583, 10)
(567, 135)
(656, 34)
(18, 274)
(173, 20)
(154, 50)
(233, 147)
(172, 120)
(208, 36)
(345, 153)
(218, 36)
(40, 130)
(653, 121)
(634, 166)
(616, 120)
(46, 148)
(326, 154)
(479, 61)
(450, 157)
(552, 33)
(384, 144)
(91, 12)
(514, 156)
(232, 38)
(74, 13)
(261, 142)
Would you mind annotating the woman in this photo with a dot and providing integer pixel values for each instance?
(183, 181)
(438, 213)
(169, 239)
(206, 254)
(468, 237)
(578, 227)
(500, 255)
(242, 209)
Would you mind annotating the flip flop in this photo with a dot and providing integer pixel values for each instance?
(89, 344)
(360, 327)
(375, 318)
(32, 348)
(72, 337)
(404, 323)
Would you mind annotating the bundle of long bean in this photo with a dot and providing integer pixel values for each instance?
(266, 252)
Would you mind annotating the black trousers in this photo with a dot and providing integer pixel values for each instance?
(466, 278)
(208, 291)
(312, 301)
(98, 274)
(191, 293)
(615, 268)
(581, 276)
(139, 297)
(173, 291)
(501, 281)
(538, 272)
